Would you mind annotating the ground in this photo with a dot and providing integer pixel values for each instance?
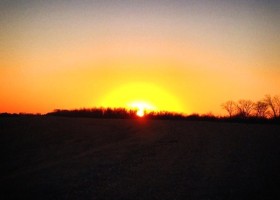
(78, 158)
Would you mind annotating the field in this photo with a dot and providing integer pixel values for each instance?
(82, 158)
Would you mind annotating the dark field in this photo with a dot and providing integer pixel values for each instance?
(75, 158)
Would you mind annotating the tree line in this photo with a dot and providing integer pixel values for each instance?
(266, 108)
(114, 113)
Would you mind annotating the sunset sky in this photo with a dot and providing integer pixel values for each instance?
(184, 56)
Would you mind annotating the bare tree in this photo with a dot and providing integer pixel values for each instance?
(274, 104)
(277, 103)
(230, 107)
(245, 107)
(261, 109)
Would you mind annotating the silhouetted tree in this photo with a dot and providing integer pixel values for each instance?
(230, 107)
(245, 108)
(261, 109)
(274, 104)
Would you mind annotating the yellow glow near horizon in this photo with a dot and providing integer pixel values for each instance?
(142, 96)
(141, 107)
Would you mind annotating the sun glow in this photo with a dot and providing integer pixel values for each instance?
(143, 97)
(141, 107)
(140, 113)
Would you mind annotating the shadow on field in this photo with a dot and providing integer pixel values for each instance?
(46, 157)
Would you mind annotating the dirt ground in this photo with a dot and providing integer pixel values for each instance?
(75, 158)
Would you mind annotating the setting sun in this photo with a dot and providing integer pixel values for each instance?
(141, 107)
(140, 113)
(144, 97)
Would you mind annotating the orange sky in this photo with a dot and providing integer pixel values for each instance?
(183, 56)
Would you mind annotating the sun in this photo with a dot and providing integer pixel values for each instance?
(140, 113)
(141, 107)
(143, 97)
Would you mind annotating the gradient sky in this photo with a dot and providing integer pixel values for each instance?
(184, 56)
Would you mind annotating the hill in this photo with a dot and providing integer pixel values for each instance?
(47, 157)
